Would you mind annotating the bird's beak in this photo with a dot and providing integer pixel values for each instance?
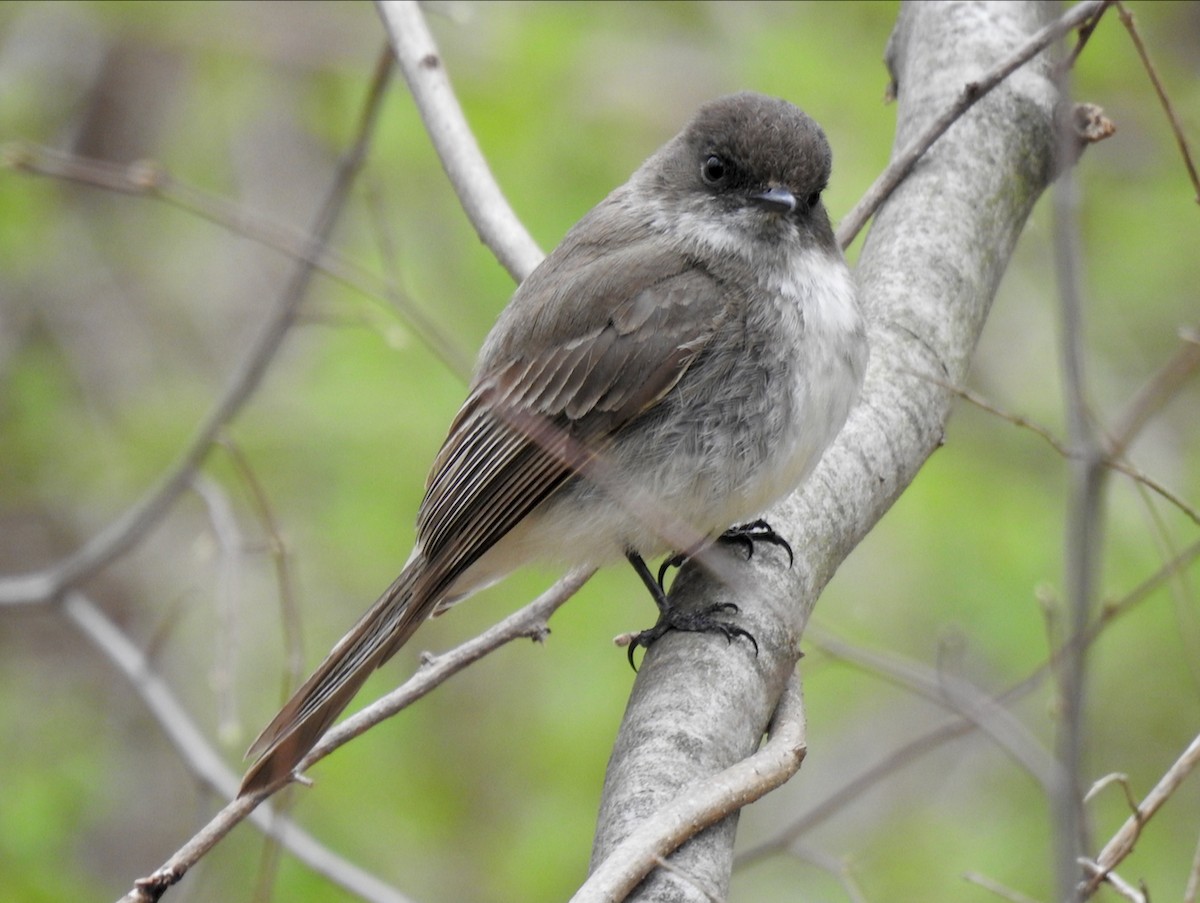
(777, 199)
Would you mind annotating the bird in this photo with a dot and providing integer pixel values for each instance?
(677, 364)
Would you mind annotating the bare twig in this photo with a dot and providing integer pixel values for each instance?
(527, 621)
(984, 711)
(1118, 778)
(446, 344)
(129, 529)
(1086, 30)
(1121, 844)
(835, 866)
(1155, 393)
(1127, 20)
(1118, 884)
(938, 736)
(289, 614)
(902, 163)
(739, 785)
(468, 171)
(150, 180)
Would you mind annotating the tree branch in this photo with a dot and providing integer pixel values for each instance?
(131, 528)
(202, 759)
(1078, 16)
(525, 622)
(695, 809)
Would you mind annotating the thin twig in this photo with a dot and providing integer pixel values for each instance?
(1116, 447)
(289, 612)
(1121, 844)
(481, 198)
(528, 621)
(902, 164)
(1158, 390)
(150, 180)
(1191, 893)
(1117, 883)
(446, 344)
(1086, 30)
(835, 866)
(1126, 18)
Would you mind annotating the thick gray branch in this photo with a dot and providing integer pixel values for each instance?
(928, 273)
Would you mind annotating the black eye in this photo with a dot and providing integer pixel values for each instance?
(713, 169)
(813, 199)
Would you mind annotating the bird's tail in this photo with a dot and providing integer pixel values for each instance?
(385, 627)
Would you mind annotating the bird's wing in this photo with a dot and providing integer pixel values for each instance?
(534, 420)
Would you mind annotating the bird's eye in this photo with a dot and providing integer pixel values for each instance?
(713, 169)
(813, 199)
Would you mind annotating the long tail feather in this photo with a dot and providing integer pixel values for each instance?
(385, 627)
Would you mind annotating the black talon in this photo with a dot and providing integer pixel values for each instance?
(692, 622)
(756, 531)
(678, 560)
(670, 619)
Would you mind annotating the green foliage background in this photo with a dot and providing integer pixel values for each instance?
(122, 317)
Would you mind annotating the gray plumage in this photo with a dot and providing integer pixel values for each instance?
(678, 363)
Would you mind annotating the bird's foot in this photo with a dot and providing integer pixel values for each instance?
(746, 535)
(705, 621)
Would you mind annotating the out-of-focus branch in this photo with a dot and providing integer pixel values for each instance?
(938, 736)
(1155, 393)
(128, 530)
(149, 180)
(529, 621)
(984, 711)
(1127, 20)
(468, 171)
(1082, 542)
(202, 760)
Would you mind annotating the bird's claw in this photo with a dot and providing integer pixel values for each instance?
(691, 622)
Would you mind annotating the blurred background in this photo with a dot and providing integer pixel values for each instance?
(121, 318)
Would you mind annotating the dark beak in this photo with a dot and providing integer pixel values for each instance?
(780, 200)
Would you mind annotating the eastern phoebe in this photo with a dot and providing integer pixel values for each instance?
(676, 365)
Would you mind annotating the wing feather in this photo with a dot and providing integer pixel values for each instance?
(533, 421)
